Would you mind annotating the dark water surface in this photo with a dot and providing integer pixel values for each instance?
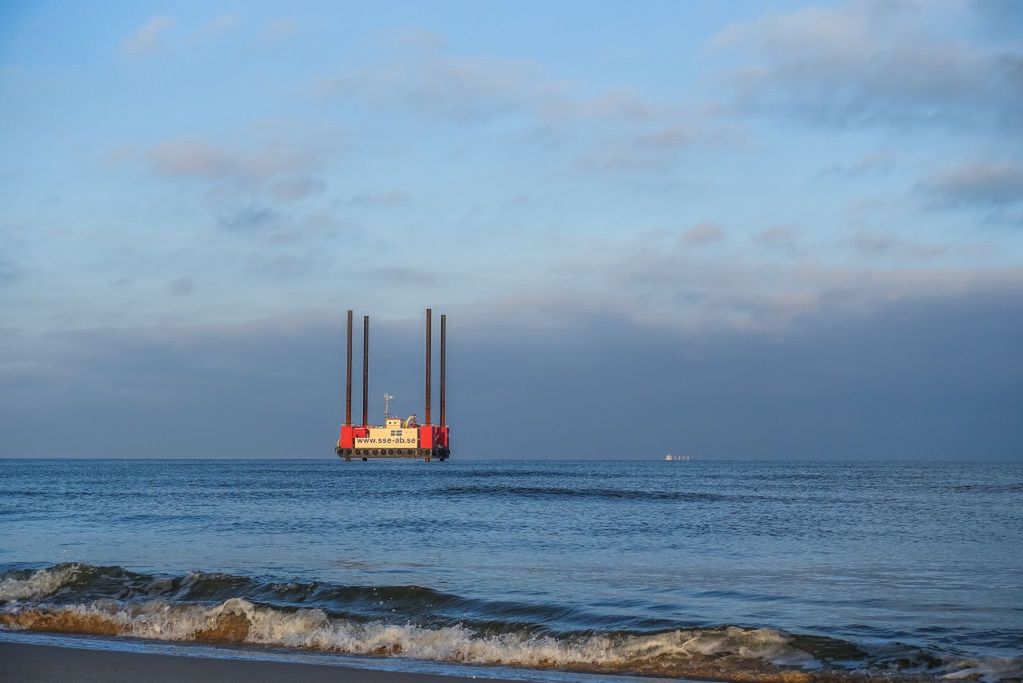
(702, 569)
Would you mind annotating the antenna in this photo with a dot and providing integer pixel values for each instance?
(387, 405)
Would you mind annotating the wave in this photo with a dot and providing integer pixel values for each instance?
(712, 653)
(114, 602)
(604, 493)
(575, 492)
(522, 474)
(24, 584)
(79, 583)
(1016, 487)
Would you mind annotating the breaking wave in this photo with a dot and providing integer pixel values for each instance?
(421, 623)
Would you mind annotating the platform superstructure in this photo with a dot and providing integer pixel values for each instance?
(396, 438)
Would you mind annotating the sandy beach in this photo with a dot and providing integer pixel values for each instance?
(31, 662)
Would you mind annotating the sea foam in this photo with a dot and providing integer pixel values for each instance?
(238, 620)
(167, 609)
(38, 583)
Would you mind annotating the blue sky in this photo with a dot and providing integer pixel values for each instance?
(580, 179)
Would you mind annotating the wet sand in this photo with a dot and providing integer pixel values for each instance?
(30, 662)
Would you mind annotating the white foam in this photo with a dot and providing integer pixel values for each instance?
(988, 670)
(660, 653)
(313, 629)
(39, 584)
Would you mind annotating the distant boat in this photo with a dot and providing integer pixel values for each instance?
(678, 458)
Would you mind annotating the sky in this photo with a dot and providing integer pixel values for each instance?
(733, 230)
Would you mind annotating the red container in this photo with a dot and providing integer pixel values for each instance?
(426, 433)
(349, 433)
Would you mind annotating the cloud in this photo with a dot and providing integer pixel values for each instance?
(975, 183)
(873, 61)
(778, 237)
(251, 218)
(275, 168)
(874, 244)
(281, 266)
(424, 77)
(402, 276)
(656, 278)
(871, 387)
(245, 187)
(196, 158)
(280, 229)
(701, 234)
(296, 187)
(181, 286)
(148, 38)
(217, 26)
(190, 157)
(881, 161)
(277, 31)
(612, 130)
(9, 272)
(657, 148)
(383, 198)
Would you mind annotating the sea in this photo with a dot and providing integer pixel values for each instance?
(524, 569)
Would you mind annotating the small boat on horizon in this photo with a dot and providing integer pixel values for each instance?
(678, 458)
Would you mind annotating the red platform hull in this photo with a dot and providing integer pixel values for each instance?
(433, 442)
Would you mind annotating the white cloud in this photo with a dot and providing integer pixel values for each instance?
(880, 161)
(278, 31)
(701, 234)
(218, 26)
(293, 188)
(649, 278)
(383, 198)
(870, 61)
(782, 238)
(424, 77)
(979, 183)
(879, 244)
(148, 38)
(181, 286)
(289, 161)
(616, 129)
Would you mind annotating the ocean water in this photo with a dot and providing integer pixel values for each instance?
(708, 570)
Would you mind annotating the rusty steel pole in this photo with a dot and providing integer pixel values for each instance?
(348, 373)
(429, 357)
(443, 370)
(365, 370)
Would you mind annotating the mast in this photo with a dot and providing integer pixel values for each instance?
(348, 373)
(429, 358)
(365, 370)
(443, 368)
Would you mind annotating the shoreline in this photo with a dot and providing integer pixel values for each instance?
(48, 662)
(45, 657)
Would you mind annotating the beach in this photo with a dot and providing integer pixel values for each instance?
(25, 662)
